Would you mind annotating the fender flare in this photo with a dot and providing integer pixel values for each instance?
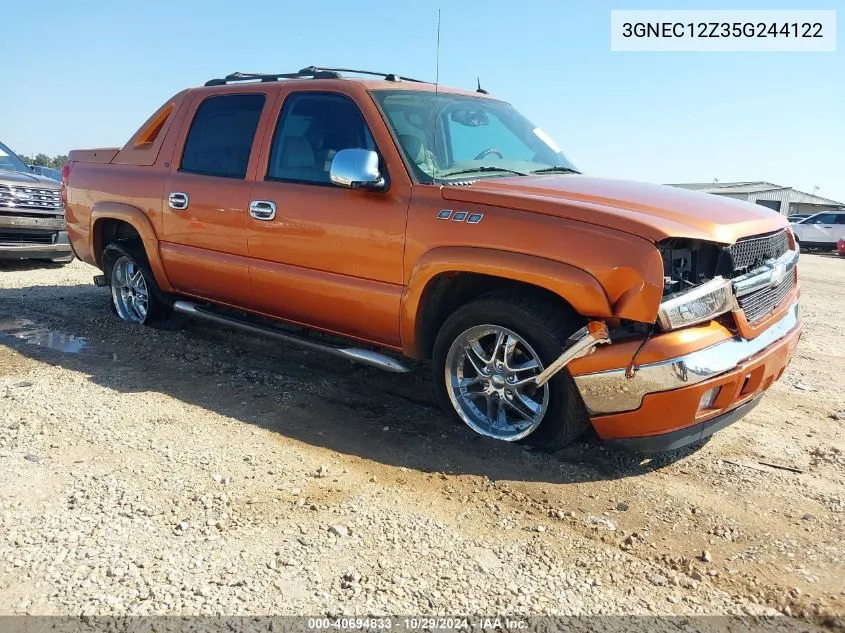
(141, 223)
(576, 286)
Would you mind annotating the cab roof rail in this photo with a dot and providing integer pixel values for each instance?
(309, 72)
(385, 76)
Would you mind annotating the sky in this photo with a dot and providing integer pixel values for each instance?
(87, 73)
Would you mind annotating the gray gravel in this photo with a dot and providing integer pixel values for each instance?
(198, 471)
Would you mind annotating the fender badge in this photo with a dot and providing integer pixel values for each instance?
(460, 216)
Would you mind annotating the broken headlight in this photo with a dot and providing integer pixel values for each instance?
(698, 304)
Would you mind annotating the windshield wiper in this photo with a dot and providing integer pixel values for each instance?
(558, 169)
(483, 168)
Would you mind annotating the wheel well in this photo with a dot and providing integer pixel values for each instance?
(449, 291)
(109, 230)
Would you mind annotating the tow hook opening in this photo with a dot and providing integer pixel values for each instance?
(101, 281)
(582, 343)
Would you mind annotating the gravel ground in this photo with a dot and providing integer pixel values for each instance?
(194, 470)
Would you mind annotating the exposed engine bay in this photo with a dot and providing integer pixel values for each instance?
(689, 263)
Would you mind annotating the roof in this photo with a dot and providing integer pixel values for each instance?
(309, 72)
(371, 80)
(367, 84)
(731, 187)
(755, 186)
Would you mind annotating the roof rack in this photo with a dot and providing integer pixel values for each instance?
(309, 72)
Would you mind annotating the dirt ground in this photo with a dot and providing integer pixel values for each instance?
(196, 470)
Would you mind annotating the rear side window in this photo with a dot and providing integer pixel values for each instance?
(823, 218)
(221, 136)
(840, 219)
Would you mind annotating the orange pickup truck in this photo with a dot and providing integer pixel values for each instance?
(380, 219)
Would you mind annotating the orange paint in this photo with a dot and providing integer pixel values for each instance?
(672, 410)
(359, 263)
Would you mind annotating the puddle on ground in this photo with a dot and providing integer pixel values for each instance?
(29, 332)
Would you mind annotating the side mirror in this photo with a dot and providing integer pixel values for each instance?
(356, 169)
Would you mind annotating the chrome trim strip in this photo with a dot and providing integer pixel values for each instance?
(610, 392)
(766, 276)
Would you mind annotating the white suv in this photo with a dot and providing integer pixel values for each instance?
(822, 230)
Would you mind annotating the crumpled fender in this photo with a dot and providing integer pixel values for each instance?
(578, 287)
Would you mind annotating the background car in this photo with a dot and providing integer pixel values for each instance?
(55, 174)
(32, 216)
(797, 217)
(822, 230)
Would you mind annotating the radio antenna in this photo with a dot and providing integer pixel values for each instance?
(436, 92)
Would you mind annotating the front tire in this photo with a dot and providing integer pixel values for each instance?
(485, 358)
(135, 295)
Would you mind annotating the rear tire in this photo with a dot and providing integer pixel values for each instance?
(135, 295)
(470, 371)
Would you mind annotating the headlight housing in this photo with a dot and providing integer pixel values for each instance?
(699, 304)
(796, 246)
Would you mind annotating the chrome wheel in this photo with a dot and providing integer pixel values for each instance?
(129, 291)
(490, 372)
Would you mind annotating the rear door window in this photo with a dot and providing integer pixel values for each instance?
(221, 137)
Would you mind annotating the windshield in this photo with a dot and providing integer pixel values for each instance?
(49, 172)
(463, 137)
(10, 161)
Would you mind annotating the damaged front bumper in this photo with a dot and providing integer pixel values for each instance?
(603, 391)
(679, 400)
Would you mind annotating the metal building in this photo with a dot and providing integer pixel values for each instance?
(785, 200)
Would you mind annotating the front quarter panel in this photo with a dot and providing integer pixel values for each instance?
(601, 272)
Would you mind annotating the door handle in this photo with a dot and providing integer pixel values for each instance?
(262, 209)
(178, 200)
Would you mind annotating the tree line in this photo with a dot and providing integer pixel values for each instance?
(54, 162)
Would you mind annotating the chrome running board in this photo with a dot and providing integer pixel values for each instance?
(365, 356)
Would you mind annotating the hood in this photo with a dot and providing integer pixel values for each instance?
(653, 212)
(20, 178)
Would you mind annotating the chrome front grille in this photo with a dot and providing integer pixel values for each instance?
(764, 273)
(761, 303)
(752, 252)
(30, 200)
